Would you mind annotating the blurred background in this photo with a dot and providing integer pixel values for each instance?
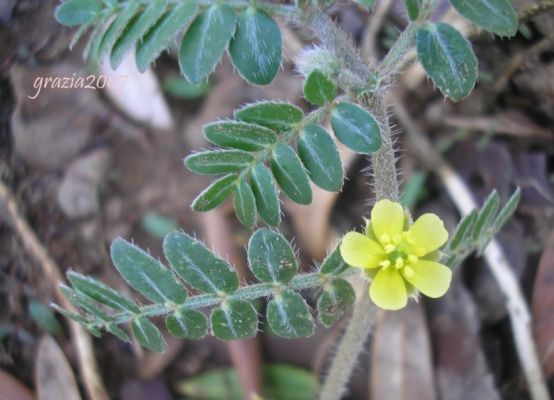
(80, 167)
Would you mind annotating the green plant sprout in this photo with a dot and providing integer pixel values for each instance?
(270, 147)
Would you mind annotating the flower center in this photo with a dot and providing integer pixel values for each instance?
(398, 256)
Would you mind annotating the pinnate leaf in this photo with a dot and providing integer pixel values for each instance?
(289, 315)
(448, 59)
(239, 135)
(463, 230)
(101, 292)
(336, 298)
(117, 332)
(147, 334)
(270, 257)
(206, 41)
(290, 174)
(146, 274)
(76, 12)
(497, 16)
(245, 203)
(215, 194)
(158, 37)
(319, 154)
(139, 25)
(256, 47)
(265, 192)
(218, 162)
(234, 319)
(187, 324)
(117, 27)
(198, 265)
(81, 301)
(274, 115)
(318, 88)
(508, 210)
(333, 263)
(486, 215)
(356, 128)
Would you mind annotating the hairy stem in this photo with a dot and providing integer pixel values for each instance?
(385, 181)
(385, 184)
(351, 345)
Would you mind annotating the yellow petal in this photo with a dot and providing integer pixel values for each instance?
(387, 219)
(430, 278)
(360, 251)
(427, 234)
(388, 290)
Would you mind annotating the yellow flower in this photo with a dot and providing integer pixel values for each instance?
(401, 260)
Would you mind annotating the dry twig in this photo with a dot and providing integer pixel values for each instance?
(81, 339)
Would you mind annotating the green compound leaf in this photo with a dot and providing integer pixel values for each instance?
(508, 210)
(289, 315)
(245, 203)
(274, 115)
(448, 59)
(146, 274)
(412, 8)
(218, 162)
(463, 230)
(498, 16)
(333, 263)
(136, 30)
(239, 135)
(147, 334)
(187, 324)
(256, 48)
(117, 332)
(101, 292)
(334, 301)
(270, 257)
(81, 301)
(197, 265)
(319, 154)
(159, 36)
(235, 319)
(215, 194)
(318, 89)
(356, 128)
(71, 315)
(100, 24)
(290, 174)
(117, 27)
(76, 12)
(206, 41)
(486, 215)
(265, 192)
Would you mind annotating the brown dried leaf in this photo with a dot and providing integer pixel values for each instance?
(401, 361)
(462, 370)
(543, 307)
(11, 388)
(54, 377)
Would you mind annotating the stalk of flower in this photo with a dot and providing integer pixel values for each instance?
(401, 260)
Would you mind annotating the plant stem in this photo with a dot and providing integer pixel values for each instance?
(385, 181)
(398, 51)
(385, 184)
(351, 345)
